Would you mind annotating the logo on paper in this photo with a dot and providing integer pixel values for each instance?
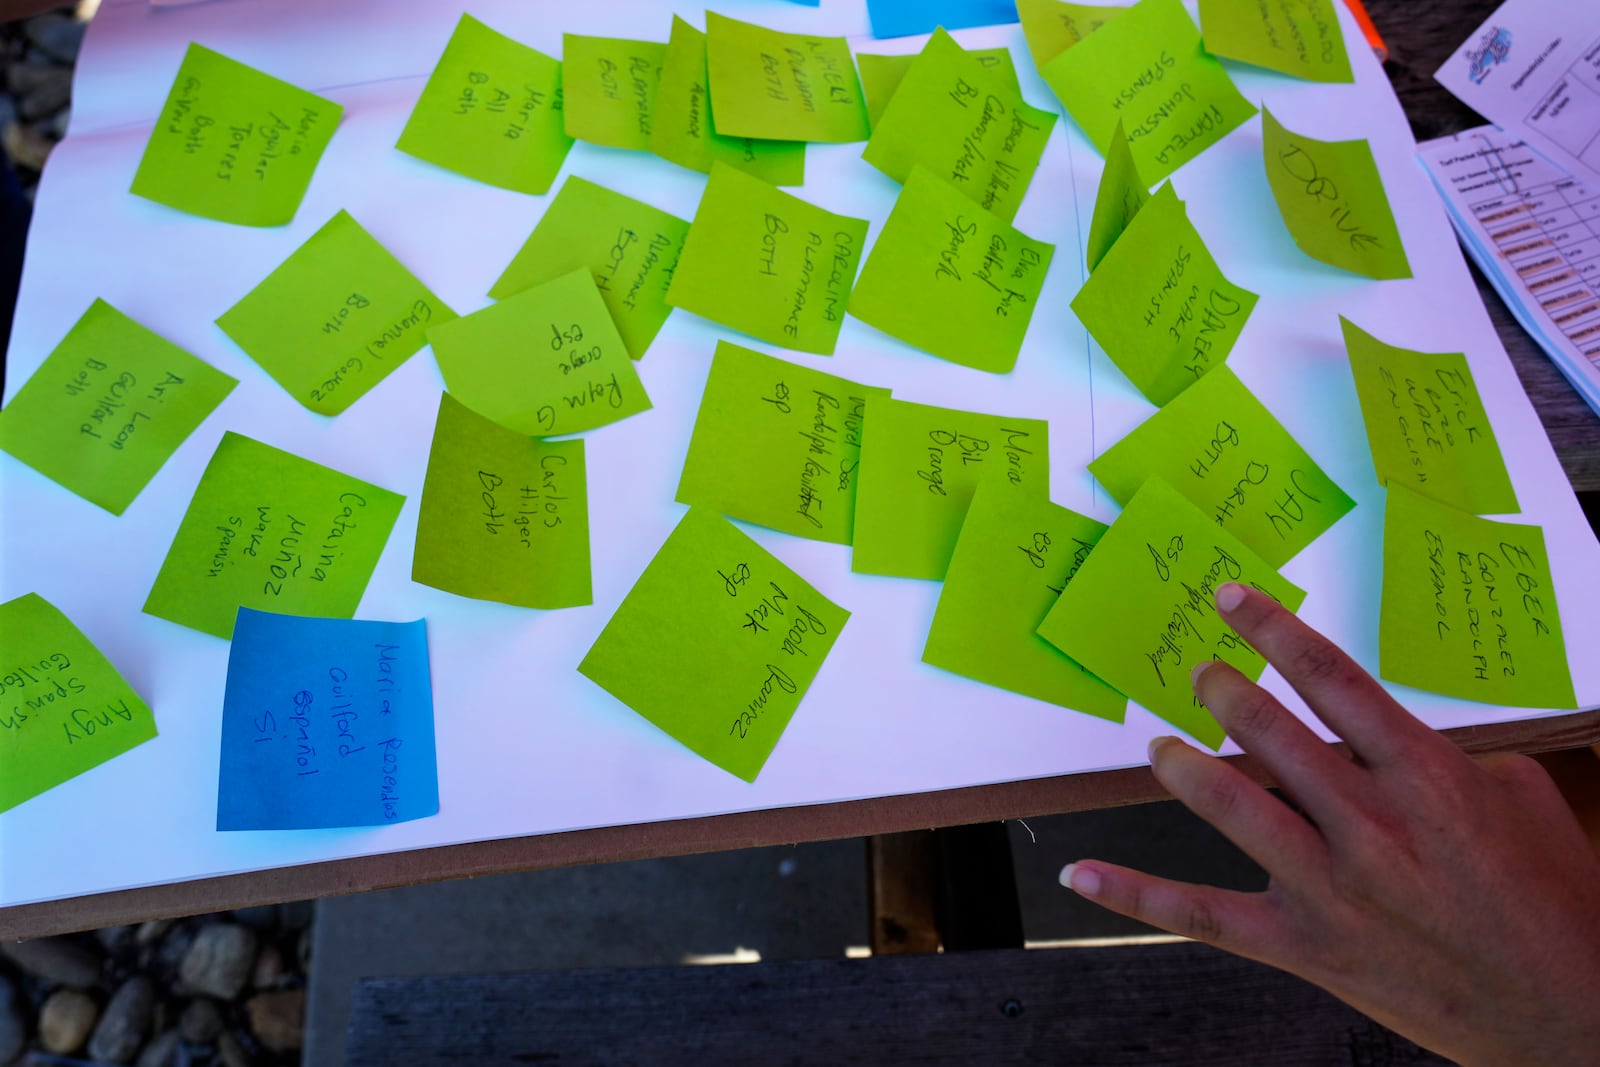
(1494, 50)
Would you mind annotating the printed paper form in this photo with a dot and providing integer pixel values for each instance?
(1535, 231)
(1534, 70)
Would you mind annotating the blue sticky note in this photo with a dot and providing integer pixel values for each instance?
(326, 722)
(902, 18)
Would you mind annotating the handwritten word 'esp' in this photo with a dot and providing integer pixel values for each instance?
(1302, 168)
(971, 450)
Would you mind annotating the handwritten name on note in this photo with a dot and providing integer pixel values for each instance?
(716, 643)
(108, 407)
(63, 707)
(778, 444)
(784, 86)
(545, 362)
(951, 279)
(881, 75)
(234, 144)
(919, 468)
(267, 529)
(767, 263)
(1158, 303)
(1222, 449)
(1469, 607)
(1148, 68)
(630, 247)
(1051, 26)
(1297, 37)
(610, 87)
(335, 318)
(326, 722)
(1140, 613)
(492, 111)
(504, 516)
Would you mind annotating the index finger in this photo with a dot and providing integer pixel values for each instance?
(1334, 686)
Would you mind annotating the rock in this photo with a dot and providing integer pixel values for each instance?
(13, 1024)
(233, 1053)
(115, 939)
(61, 960)
(57, 126)
(278, 1019)
(201, 1021)
(260, 919)
(57, 35)
(220, 960)
(151, 932)
(164, 1050)
(175, 944)
(66, 1020)
(269, 969)
(25, 78)
(47, 99)
(26, 146)
(124, 1022)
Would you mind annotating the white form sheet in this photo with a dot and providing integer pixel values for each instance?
(526, 745)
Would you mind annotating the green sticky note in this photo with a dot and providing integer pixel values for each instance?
(609, 85)
(1332, 199)
(716, 643)
(782, 86)
(881, 75)
(767, 263)
(1158, 303)
(1147, 67)
(1051, 26)
(63, 707)
(234, 144)
(504, 517)
(108, 407)
(1298, 37)
(547, 361)
(271, 531)
(1221, 448)
(1015, 555)
(627, 246)
(1427, 425)
(919, 467)
(1469, 607)
(777, 444)
(1121, 194)
(1139, 613)
(491, 111)
(961, 122)
(685, 133)
(335, 318)
(951, 279)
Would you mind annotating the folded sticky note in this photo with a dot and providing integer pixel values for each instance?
(1159, 304)
(1121, 193)
(951, 115)
(234, 144)
(267, 529)
(629, 247)
(546, 361)
(1139, 613)
(504, 517)
(778, 444)
(491, 110)
(326, 722)
(902, 18)
(881, 75)
(685, 132)
(919, 467)
(108, 407)
(767, 263)
(1147, 67)
(950, 278)
(1221, 448)
(1015, 555)
(63, 706)
(1298, 37)
(1469, 607)
(335, 318)
(1332, 199)
(609, 87)
(782, 86)
(1427, 425)
(716, 643)
(1053, 26)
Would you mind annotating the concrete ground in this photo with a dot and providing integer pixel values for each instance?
(781, 903)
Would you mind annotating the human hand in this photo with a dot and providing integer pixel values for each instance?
(1455, 901)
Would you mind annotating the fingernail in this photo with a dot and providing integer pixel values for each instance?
(1156, 744)
(1199, 669)
(1083, 881)
(1229, 596)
